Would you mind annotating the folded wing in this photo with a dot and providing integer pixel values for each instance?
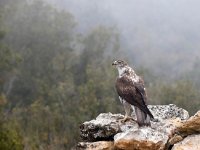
(134, 94)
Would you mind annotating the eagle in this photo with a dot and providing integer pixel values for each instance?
(131, 91)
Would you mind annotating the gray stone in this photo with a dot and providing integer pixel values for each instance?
(128, 135)
(104, 127)
(162, 112)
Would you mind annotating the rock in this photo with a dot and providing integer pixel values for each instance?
(104, 127)
(163, 112)
(175, 139)
(185, 128)
(101, 145)
(190, 126)
(144, 138)
(128, 135)
(191, 142)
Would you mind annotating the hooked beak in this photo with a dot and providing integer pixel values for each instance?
(114, 63)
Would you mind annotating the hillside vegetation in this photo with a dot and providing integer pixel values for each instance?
(54, 76)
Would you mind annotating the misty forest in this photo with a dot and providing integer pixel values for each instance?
(56, 56)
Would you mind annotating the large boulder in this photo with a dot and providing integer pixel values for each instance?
(128, 135)
(163, 112)
(190, 126)
(156, 137)
(187, 134)
(144, 138)
(191, 142)
(104, 127)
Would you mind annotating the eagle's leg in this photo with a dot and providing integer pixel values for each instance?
(127, 108)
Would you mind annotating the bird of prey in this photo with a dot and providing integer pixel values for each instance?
(131, 91)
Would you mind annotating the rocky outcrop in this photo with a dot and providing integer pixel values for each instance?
(189, 133)
(104, 127)
(107, 131)
(100, 145)
(190, 126)
(191, 142)
(142, 138)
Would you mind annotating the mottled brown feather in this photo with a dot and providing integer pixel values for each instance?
(133, 93)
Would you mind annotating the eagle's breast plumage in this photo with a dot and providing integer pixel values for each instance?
(129, 86)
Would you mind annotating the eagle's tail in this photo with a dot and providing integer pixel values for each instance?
(143, 118)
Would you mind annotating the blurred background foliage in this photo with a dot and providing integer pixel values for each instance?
(53, 77)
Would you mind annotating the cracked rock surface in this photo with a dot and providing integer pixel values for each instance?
(191, 142)
(166, 130)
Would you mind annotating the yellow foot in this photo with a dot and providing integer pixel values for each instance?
(126, 118)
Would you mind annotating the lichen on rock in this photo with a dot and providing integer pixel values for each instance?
(104, 127)
(169, 127)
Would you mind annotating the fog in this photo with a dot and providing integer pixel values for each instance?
(56, 55)
(160, 35)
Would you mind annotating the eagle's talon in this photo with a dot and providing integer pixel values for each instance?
(154, 119)
(127, 118)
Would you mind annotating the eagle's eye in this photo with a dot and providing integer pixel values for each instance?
(119, 62)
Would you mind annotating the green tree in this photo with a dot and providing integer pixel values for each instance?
(10, 138)
(178, 92)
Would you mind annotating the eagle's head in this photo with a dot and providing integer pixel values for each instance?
(119, 64)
